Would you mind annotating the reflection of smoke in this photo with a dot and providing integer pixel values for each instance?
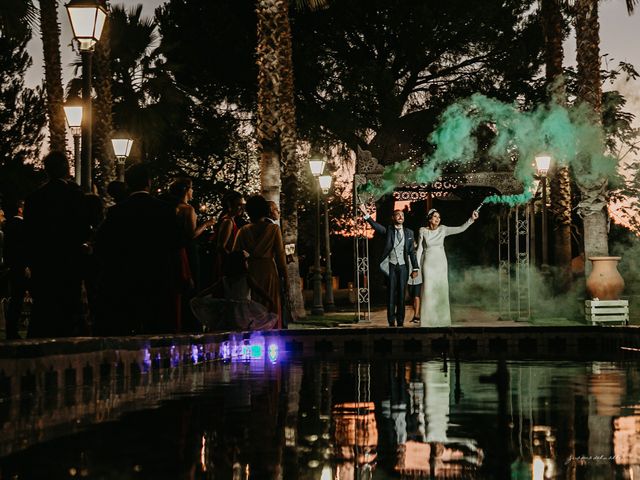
(519, 136)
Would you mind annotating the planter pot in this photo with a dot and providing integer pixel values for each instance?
(605, 282)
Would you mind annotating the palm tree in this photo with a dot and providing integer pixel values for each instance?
(50, 30)
(103, 113)
(126, 82)
(276, 129)
(17, 16)
(553, 26)
(593, 193)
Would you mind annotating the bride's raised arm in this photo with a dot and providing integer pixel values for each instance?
(455, 230)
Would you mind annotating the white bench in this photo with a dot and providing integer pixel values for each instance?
(606, 311)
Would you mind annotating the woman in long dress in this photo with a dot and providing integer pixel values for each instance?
(434, 308)
(263, 241)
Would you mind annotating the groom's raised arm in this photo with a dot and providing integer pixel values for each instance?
(381, 229)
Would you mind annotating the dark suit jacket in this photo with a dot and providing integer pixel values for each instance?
(137, 248)
(409, 248)
(54, 228)
(15, 247)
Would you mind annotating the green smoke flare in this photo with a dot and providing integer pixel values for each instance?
(564, 133)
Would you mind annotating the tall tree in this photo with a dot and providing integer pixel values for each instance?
(22, 118)
(50, 30)
(276, 127)
(103, 114)
(376, 74)
(554, 32)
(593, 193)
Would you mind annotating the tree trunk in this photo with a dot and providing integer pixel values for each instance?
(593, 201)
(276, 128)
(290, 161)
(553, 23)
(50, 31)
(103, 116)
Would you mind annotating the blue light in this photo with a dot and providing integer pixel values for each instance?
(175, 356)
(194, 353)
(225, 351)
(273, 352)
(146, 360)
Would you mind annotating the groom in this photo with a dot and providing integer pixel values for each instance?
(398, 250)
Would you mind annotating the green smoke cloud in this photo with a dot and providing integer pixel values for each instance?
(566, 134)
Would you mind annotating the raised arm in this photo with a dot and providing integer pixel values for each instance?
(381, 229)
(455, 230)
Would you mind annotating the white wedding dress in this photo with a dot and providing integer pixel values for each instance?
(434, 296)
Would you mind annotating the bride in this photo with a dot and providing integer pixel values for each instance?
(434, 310)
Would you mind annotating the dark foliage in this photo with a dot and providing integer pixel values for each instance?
(22, 119)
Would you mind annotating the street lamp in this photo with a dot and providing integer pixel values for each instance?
(324, 181)
(543, 162)
(87, 19)
(73, 112)
(316, 165)
(122, 149)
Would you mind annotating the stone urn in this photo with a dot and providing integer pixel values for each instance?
(605, 282)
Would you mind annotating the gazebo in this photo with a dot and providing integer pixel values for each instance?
(515, 230)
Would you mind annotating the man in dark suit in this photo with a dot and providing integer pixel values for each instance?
(137, 246)
(16, 261)
(55, 232)
(398, 250)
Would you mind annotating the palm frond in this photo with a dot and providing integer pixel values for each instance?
(16, 16)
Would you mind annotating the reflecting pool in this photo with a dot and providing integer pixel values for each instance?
(261, 418)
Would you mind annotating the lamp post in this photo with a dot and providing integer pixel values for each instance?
(543, 161)
(122, 149)
(87, 19)
(73, 112)
(329, 306)
(316, 164)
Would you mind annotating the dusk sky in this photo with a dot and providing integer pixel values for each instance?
(618, 34)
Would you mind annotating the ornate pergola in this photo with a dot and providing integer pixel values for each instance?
(515, 230)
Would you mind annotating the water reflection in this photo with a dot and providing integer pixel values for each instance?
(341, 421)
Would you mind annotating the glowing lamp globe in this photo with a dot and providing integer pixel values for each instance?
(73, 112)
(543, 162)
(122, 147)
(316, 164)
(87, 19)
(325, 183)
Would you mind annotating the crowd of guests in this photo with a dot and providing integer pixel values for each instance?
(136, 266)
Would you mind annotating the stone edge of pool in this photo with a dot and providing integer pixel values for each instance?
(465, 342)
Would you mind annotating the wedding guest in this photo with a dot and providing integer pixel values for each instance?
(55, 231)
(263, 241)
(137, 246)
